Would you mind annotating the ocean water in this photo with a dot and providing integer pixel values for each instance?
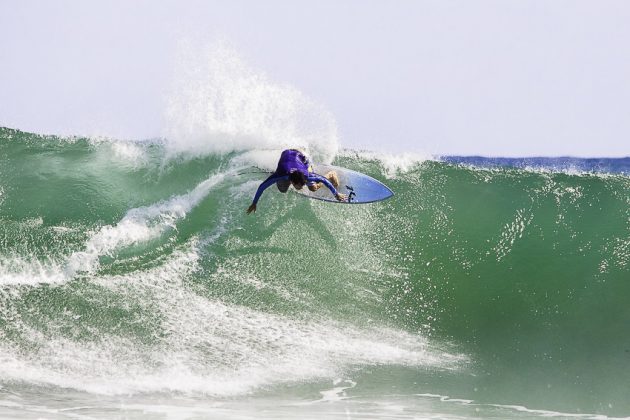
(133, 285)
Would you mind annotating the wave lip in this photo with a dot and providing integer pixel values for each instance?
(568, 165)
(392, 165)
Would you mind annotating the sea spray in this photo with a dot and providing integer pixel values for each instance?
(219, 104)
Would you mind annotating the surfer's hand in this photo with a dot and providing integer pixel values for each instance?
(341, 197)
(251, 208)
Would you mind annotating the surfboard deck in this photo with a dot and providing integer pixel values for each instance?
(359, 188)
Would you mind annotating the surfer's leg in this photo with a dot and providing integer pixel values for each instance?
(333, 178)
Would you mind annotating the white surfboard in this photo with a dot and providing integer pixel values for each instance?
(359, 188)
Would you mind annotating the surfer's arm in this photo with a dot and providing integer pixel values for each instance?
(314, 178)
(262, 187)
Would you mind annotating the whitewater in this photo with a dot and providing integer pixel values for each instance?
(133, 284)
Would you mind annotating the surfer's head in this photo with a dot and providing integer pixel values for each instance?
(298, 179)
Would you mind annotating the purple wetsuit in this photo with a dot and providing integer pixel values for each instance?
(292, 160)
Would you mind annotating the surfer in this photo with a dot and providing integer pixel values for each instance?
(295, 169)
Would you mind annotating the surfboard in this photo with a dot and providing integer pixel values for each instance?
(359, 188)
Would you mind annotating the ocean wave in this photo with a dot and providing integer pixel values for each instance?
(128, 272)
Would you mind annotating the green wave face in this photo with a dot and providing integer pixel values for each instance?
(127, 270)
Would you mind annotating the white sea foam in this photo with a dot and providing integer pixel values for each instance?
(125, 152)
(505, 409)
(138, 225)
(131, 152)
(393, 164)
(542, 170)
(20, 270)
(338, 392)
(207, 346)
(265, 160)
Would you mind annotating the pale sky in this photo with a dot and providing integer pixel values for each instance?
(500, 78)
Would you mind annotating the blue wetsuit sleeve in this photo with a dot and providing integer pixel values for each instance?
(318, 178)
(266, 184)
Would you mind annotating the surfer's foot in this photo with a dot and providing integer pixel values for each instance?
(333, 178)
